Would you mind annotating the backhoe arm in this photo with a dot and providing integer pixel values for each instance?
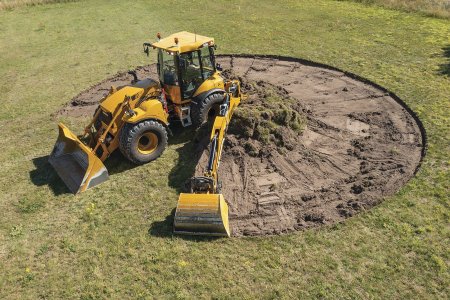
(204, 210)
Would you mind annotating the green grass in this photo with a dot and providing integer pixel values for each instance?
(436, 8)
(115, 242)
(11, 4)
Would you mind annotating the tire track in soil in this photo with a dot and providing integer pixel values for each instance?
(361, 144)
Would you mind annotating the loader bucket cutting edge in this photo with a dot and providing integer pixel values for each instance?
(76, 164)
(202, 214)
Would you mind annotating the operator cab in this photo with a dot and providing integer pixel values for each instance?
(185, 61)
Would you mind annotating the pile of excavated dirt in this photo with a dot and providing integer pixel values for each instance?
(312, 145)
(268, 118)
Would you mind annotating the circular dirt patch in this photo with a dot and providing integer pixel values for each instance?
(337, 144)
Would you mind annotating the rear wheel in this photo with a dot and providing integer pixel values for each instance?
(204, 109)
(143, 142)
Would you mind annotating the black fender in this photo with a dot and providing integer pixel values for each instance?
(200, 97)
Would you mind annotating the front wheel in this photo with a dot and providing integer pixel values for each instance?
(143, 142)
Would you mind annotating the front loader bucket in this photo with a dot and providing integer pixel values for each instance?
(75, 162)
(202, 214)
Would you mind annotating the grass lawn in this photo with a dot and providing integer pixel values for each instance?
(115, 241)
(438, 8)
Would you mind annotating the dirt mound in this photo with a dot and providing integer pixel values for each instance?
(311, 146)
(268, 118)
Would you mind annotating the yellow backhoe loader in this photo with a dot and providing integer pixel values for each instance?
(135, 119)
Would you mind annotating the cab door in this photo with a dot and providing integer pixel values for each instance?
(191, 73)
(168, 75)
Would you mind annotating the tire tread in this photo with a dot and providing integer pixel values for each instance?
(129, 132)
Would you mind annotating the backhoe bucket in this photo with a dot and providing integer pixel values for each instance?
(202, 214)
(75, 163)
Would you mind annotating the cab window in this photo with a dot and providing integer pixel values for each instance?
(191, 74)
(167, 70)
(207, 64)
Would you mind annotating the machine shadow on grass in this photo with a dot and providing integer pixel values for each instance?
(44, 174)
(444, 69)
(193, 142)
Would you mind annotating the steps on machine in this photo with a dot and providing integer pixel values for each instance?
(185, 116)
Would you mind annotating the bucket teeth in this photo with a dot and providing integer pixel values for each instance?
(75, 163)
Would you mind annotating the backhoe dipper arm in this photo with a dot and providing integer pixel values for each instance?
(204, 210)
(208, 183)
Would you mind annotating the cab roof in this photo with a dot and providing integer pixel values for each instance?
(187, 42)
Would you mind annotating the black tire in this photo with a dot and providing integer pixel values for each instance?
(143, 142)
(200, 111)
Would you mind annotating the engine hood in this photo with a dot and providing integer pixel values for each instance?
(135, 91)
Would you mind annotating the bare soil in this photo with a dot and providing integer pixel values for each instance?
(311, 146)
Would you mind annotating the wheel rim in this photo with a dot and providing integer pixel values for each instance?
(148, 142)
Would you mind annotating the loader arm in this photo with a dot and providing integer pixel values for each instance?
(76, 162)
(204, 210)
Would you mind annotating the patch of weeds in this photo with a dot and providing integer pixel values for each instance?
(43, 249)
(89, 210)
(438, 263)
(67, 245)
(25, 279)
(90, 214)
(16, 231)
(29, 205)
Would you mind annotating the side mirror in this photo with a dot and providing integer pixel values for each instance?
(219, 67)
(147, 48)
